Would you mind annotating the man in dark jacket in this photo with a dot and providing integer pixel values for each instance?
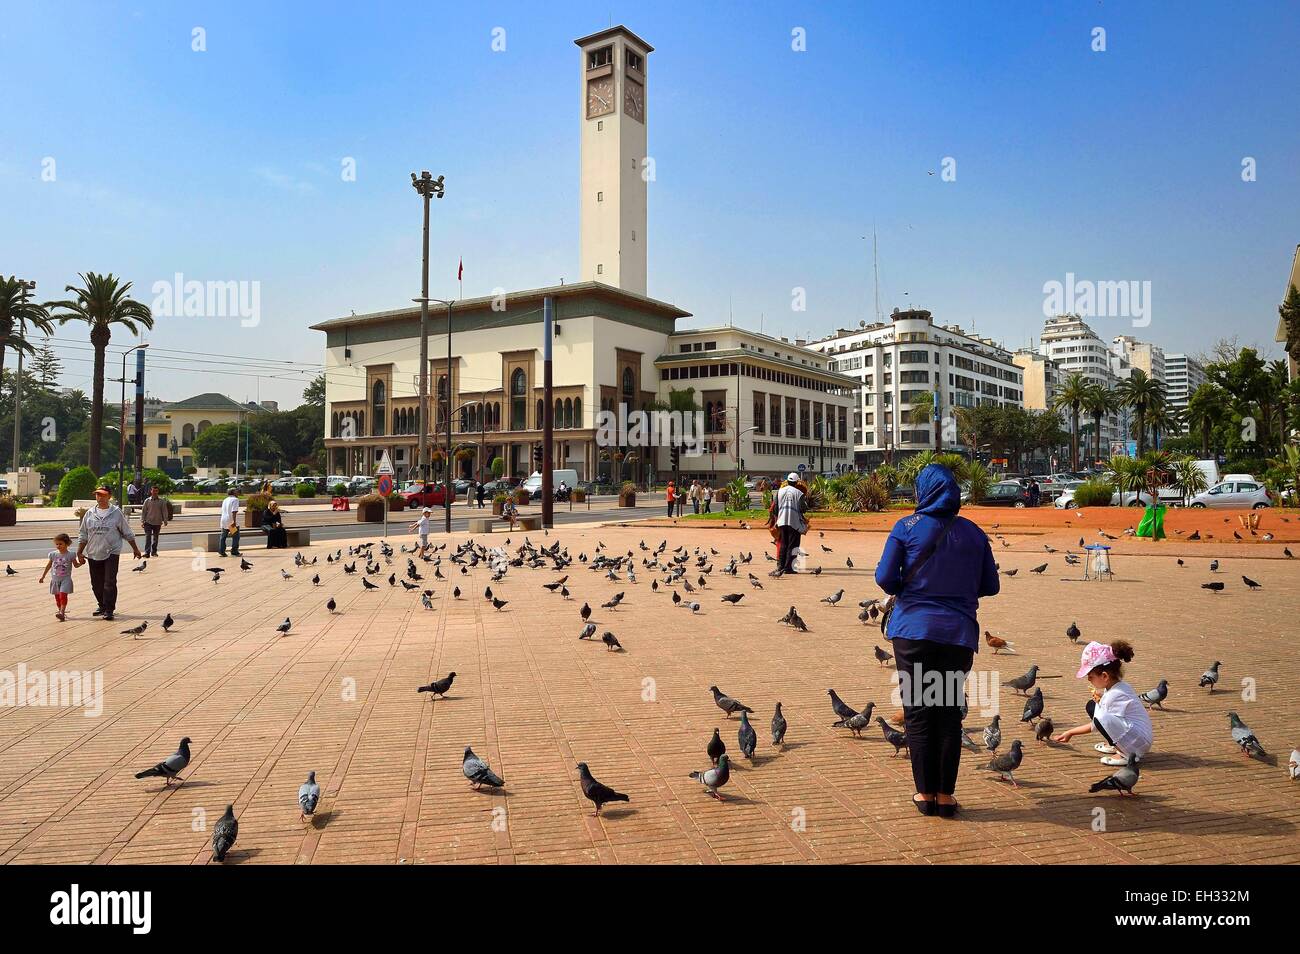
(937, 565)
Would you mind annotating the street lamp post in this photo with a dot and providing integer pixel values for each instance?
(121, 431)
(428, 187)
(424, 301)
(18, 384)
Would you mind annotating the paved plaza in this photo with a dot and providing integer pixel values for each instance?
(337, 695)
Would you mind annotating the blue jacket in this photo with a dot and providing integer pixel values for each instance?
(941, 601)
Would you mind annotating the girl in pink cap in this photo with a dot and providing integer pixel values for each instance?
(1115, 709)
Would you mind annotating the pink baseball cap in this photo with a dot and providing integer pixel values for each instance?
(1094, 655)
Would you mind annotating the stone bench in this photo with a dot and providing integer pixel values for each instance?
(295, 537)
(482, 524)
(529, 523)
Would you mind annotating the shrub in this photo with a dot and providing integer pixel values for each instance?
(302, 470)
(499, 498)
(1093, 493)
(579, 495)
(77, 484)
(257, 502)
(521, 495)
(980, 480)
(305, 489)
(369, 500)
(160, 480)
(869, 495)
(51, 473)
(8, 503)
(340, 490)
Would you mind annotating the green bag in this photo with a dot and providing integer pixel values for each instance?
(1153, 523)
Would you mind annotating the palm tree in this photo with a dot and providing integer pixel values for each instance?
(1142, 394)
(101, 301)
(16, 314)
(1100, 402)
(1073, 393)
(1188, 478)
(1163, 418)
(1204, 411)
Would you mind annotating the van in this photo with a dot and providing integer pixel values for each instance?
(1211, 470)
(534, 482)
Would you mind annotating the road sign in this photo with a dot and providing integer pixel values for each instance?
(385, 484)
(802, 467)
(385, 465)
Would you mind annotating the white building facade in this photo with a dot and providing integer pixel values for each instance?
(1071, 343)
(1183, 375)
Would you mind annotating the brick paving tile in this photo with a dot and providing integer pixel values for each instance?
(337, 695)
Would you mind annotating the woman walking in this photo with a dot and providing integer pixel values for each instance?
(936, 565)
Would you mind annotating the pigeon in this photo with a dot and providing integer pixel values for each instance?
(778, 726)
(998, 643)
(368, 585)
(224, 833)
(455, 593)
(1072, 631)
(1043, 731)
(597, 793)
(856, 723)
(895, 738)
(1008, 762)
(216, 572)
(141, 567)
(168, 623)
(135, 631)
(1122, 780)
(714, 778)
(726, 703)
(840, 708)
(1210, 676)
(1039, 569)
(1214, 566)
(315, 580)
(993, 734)
(308, 797)
(1011, 572)
(285, 575)
(747, 738)
(716, 747)
(283, 628)
(881, 656)
(797, 621)
(588, 631)
(172, 766)
(733, 598)
(499, 603)
(1022, 684)
(1213, 587)
(1033, 707)
(1156, 697)
(585, 612)
(611, 641)
(244, 565)
(613, 602)
(426, 600)
(1286, 552)
(834, 598)
(477, 771)
(1244, 737)
(968, 743)
(1251, 584)
(439, 687)
(10, 571)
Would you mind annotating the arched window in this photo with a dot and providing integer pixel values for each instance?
(203, 426)
(397, 421)
(577, 412)
(568, 412)
(541, 413)
(379, 406)
(518, 400)
(187, 435)
(558, 413)
(361, 424)
(334, 424)
(464, 419)
(629, 385)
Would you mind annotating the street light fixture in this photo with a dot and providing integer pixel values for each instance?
(424, 387)
(121, 431)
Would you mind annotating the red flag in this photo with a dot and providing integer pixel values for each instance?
(460, 272)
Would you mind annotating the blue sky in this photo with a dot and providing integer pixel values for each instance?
(771, 164)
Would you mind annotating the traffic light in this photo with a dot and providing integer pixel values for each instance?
(537, 456)
(675, 457)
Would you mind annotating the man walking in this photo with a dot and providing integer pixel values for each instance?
(788, 517)
(99, 542)
(153, 515)
(482, 492)
(230, 523)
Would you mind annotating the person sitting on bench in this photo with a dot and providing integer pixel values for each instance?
(273, 524)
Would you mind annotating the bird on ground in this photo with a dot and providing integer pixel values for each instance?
(224, 833)
(368, 585)
(733, 598)
(1244, 737)
(841, 709)
(968, 743)
(1251, 584)
(677, 598)
(409, 586)
(216, 572)
(1011, 572)
(588, 631)
(993, 734)
(140, 567)
(1033, 707)
(498, 603)
(834, 598)
(1214, 566)
(856, 723)
(611, 641)
(1210, 676)
(1043, 731)
(10, 571)
(779, 726)
(135, 631)
(439, 687)
(613, 602)
(998, 643)
(895, 738)
(308, 797)
(1286, 552)
(1122, 780)
(797, 622)
(1049, 549)
(848, 562)
(426, 600)
(1156, 697)
(478, 772)
(714, 778)
(1214, 587)
(315, 580)
(585, 612)
(283, 628)
(1008, 762)
(1180, 562)
(882, 657)
(286, 575)
(170, 767)
(168, 623)
(1196, 535)
(597, 793)
(726, 703)
(487, 593)
(1022, 684)
(716, 747)
(455, 593)
(747, 737)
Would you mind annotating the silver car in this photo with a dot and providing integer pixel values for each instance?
(1237, 494)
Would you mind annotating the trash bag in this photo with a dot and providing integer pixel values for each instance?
(1153, 523)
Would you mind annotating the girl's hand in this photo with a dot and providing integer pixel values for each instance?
(1063, 737)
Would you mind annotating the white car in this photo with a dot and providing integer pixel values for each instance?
(1239, 494)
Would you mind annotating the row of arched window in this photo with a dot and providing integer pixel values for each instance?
(472, 418)
(189, 432)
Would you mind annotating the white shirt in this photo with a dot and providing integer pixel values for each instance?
(422, 526)
(103, 530)
(229, 510)
(1125, 719)
(788, 499)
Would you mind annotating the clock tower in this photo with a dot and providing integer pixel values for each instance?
(614, 174)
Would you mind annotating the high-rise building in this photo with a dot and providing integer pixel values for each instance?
(1183, 375)
(899, 360)
(1077, 349)
(1042, 378)
(1143, 355)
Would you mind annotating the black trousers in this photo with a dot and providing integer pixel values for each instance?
(785, 549)
(151, 531)
(103, 580)
(1091, 707)
(933, 724)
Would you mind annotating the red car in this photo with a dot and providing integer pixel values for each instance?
(430, 495)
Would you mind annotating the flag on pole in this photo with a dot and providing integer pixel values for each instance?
(460, 272)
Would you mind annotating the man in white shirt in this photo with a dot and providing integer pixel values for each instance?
(229, 519)
(103, 530)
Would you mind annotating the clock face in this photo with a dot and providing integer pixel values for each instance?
(634, 99)
(600, 96)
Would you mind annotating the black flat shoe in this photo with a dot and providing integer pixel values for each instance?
(924, 807)
(946, 810)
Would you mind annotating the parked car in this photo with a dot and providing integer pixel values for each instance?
(428, 495)
(1249, 494)
(1006, 493)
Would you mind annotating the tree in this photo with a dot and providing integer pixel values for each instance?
(1204, 411)
(1253, 393)
(314, 393)
(1289, 312)
(1074, 392)
(1099, 403)
(46, 366)
(102, 301)
(17, 315)
(1143, 394)
(220, 444)
(1188, 478)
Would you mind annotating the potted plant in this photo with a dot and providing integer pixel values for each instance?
(254, 506)
(8, 511)
(396, 502)
(498, 504)
(521, 496)
(370, 508)
(627, 494)
(579, 494)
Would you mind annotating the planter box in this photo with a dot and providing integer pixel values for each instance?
(497, 506)
(370, 513)
(253, 519)
(627, 498)
(8, 517)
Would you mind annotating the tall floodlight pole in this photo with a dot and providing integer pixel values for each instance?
(428, 187)
(139, 414)
(121, 429)
(548, 413)
(18, 387)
